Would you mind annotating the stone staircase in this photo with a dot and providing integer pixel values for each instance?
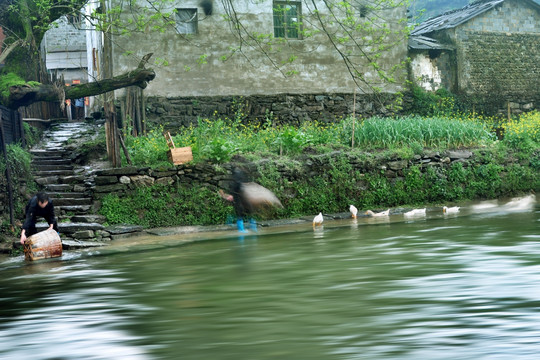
(68, 185)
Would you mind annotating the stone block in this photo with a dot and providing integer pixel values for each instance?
(79, 188)
(105, 180)
(397, 165)
(459, 154)
(160, 174)
(165, 181)
(83, 234)
(123, 229)
(110, 188)
(129, 170)
(142, 180)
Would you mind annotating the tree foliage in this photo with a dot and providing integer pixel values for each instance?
(24, 22)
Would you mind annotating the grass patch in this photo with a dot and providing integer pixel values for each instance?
(217, 140)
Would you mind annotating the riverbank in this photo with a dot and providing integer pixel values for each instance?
(165, 237)
(317, 174)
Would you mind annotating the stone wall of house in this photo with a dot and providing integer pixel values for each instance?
(507, 65)
(174, 113)
(499, 56)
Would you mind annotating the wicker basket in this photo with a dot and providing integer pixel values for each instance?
(43, 245)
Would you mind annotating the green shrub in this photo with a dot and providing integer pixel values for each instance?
(31, 134)
(19, 162)
(158, 206)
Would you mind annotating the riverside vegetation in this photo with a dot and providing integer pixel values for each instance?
(498, 168)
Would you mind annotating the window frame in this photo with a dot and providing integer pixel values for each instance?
(75, 20)
(186, 25)
(285, 26)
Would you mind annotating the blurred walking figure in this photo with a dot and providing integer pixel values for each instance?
(248, 198)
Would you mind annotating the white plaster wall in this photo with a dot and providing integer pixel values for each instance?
(94, 51)
(425, 72)
(319, 67)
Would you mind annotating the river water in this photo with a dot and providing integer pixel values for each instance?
(455, 287)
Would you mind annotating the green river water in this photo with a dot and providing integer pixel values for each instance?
(454, 287)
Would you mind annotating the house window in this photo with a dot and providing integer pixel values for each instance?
(75, 20)
(361, 7)
(287, 19)
(186, 21)
(362, 10)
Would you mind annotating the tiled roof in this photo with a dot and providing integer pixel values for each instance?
(424, 42)
(454, 18)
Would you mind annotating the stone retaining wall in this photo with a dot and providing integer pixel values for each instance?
(121, 181)
(178, 112)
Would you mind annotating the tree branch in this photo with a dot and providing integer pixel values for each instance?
(9, 49)
(23, 95)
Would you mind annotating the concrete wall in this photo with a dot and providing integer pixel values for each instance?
(94, 51)
(248, 72)
(433, 70)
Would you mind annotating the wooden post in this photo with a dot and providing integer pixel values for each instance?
(354, 117)
(509, 112)
(143, 112)
(111, 132)
(111, 125)
(126, 153)
(137, 105)
(8, 173)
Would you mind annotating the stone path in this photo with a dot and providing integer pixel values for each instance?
(69, 185)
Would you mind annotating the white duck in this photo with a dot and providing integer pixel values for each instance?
(317, 220)
(521, 203)
(450, 210)
(382, 213)
(415, 212)
(353, 211)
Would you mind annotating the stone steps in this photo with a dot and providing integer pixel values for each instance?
(39, 167)
(51, 161)
(75, 209)
(43, 173)
(68, 185)
(48, 154)
(71, 201)
(66, 195)
(51, 188)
